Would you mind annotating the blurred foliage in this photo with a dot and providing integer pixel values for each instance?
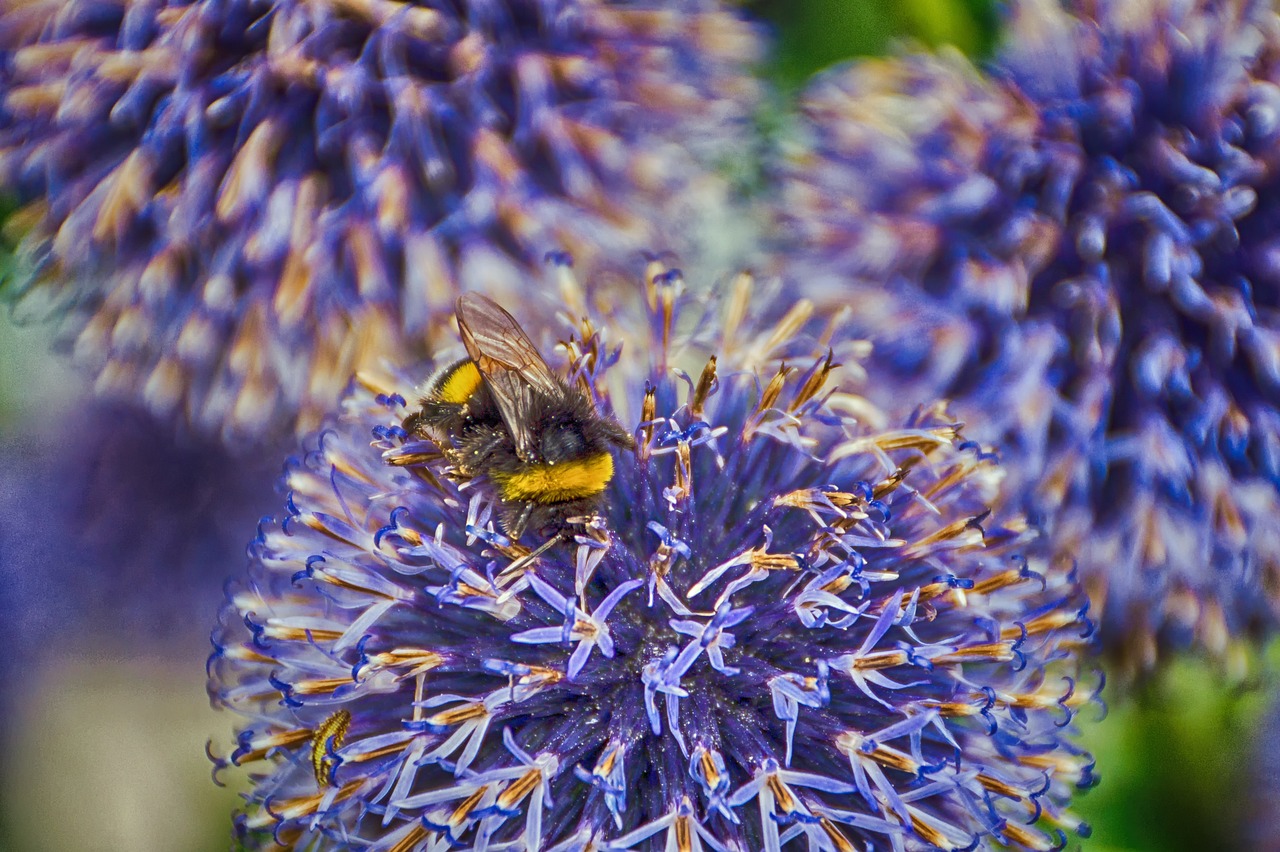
(813, 34)
(35, 382)
(108, 753)
(1176, 759)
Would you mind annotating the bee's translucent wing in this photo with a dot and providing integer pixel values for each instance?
(512, 368)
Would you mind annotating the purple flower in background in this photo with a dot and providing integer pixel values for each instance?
(1261, 818)
(238, 204)
(1081, 251)
(83, 578)
(784, 629)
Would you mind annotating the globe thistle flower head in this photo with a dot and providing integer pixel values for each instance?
(1100, 292)
(145, 524)
(240, 204)
(915, 198)
(780, 627)
(936, 160)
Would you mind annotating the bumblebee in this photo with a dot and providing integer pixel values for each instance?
(502, 414)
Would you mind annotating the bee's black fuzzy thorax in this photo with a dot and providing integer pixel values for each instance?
(503, 416)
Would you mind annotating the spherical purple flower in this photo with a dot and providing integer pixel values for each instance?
(781, 629)
(1081, 249)
(242, 202)
(111, 538)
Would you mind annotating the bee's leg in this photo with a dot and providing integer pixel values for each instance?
(476, 448)
(521, 521)
(519, 565)
(413, 424)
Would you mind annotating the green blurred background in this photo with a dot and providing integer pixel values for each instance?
(1177, 762)
(812, 34)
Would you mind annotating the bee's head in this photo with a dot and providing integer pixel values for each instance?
(568, 437)
(613, 432)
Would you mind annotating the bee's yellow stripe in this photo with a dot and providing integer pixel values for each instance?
(557, 483)
(457, 386)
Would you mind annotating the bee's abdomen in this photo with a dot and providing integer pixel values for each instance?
(447, 401)
(457, 384)
(562, 482)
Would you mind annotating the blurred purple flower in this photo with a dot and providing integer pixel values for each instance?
(1081, 250)
(81, 576)
(240, 203)
(1261, 822)
(784, 629)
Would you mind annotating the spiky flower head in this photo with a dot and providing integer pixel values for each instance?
(781, 629)
(243, 201)
(1085, 245)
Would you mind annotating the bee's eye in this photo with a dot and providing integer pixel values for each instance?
(562, 441)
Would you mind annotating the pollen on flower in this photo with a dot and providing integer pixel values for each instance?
(782, 630)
